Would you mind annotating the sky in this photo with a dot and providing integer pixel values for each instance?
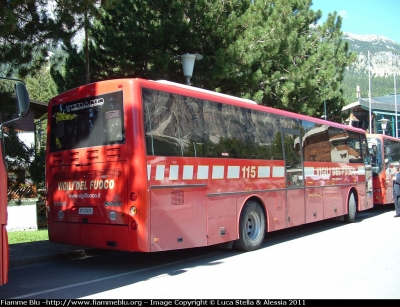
(363, 17)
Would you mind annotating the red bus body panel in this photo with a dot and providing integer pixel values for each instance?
(382, 182)
(182, 202)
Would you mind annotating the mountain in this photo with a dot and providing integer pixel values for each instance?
(374, 43)
(384, 55)
(383, 52)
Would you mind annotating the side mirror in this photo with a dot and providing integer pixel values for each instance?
(22, 99)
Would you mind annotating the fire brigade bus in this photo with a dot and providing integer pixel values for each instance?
(22, 109)
(148, 166)
(385, 157)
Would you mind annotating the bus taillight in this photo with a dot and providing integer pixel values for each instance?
(133, 196)
(134, 225)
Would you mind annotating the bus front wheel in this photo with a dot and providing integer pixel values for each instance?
(251, 227)
(352, 208)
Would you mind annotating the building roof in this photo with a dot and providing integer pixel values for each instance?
(386, 103)
(36, 110)
(39, 108)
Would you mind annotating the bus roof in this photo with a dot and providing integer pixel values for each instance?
(189, 87)
(271, 109)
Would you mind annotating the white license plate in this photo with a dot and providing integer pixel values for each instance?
(83, 210)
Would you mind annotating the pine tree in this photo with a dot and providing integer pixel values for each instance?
(144, 42)
(280, 57)
(72, 16)
(141, 43)
(274, 52)
(41, 87)
(68, 68)
(25, 35)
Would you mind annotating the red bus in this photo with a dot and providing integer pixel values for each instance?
(149, 166)
(22, 104)
(385, 157)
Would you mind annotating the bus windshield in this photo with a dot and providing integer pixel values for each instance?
(88, 122)
(374, 146)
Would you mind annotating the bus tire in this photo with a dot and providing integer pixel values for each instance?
(251, 227)
(352, 208)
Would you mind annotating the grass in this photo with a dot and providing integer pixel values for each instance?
(15, 237)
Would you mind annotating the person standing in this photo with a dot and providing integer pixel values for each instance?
(396, 192)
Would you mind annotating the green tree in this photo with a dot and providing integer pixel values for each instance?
(380, 86)
(144, 42)
(68, 68)
(274, 52)
(7, 101)
(41, 87)
(25, 35)
(17, 155)
(73, 16)
(37, 169)
(141, 43)
(281, 57)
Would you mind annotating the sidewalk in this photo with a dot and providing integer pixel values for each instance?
(41, 251)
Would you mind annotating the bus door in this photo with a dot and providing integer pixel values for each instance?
(295, 194)
(390, 165)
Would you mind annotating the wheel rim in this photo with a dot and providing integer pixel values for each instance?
(253, 225)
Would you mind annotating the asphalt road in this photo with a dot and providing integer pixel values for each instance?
(323, 260)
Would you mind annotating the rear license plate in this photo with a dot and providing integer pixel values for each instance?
(84, 210)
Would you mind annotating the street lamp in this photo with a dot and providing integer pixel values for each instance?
(188, 64)
(384, 123)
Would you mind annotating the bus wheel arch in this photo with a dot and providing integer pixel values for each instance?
(352, 202)
(251, 226)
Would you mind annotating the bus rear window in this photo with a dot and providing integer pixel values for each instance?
(93, 121)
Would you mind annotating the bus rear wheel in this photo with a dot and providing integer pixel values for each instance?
(251, 227)
(350, 217)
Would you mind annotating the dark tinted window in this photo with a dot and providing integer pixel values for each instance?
(176, 125)
(88, 122)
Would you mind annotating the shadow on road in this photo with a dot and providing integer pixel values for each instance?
(96, 273)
